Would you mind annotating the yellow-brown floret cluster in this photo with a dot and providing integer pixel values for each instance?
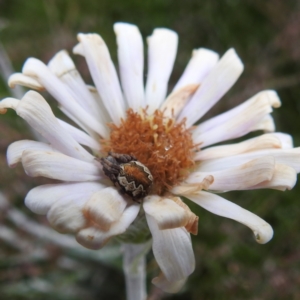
(162, 145)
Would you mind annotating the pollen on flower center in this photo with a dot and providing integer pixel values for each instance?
(161, 144)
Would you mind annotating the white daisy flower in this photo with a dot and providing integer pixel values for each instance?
(138, 151)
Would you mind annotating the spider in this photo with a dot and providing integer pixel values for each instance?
(128, 173)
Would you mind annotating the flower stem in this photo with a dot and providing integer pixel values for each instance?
(134, 266)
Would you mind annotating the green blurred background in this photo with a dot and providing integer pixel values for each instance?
(230, 264)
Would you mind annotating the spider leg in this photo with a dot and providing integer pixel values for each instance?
(110, 167)
(122, 158)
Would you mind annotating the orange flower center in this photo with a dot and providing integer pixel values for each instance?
(165, 147)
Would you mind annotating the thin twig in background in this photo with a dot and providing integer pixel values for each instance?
(6, 69)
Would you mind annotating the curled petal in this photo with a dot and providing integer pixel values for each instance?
(199, 66)
(285, 139)
(168, 286)
(41, 198)
(189, 188)
(21, 79)
(58, 166)
(92, 237)
(266, 124)
(287, 156)
(66, 216)
(15, 150)
(265, 141)
(221, 78)
(249, 116)
(162, 49)
(217, 205)
(283, 178)
(95, 238)
(268, 98)
(8, 103)
(192, 224)
(104, 74)
(173, 251)
(166, 212)
(131, 63)
(105, 207)
(241, 177)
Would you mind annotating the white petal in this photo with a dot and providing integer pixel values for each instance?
(21, 79)
(266, 124)
(267, 97)
(105, 117)
(78, 49)
(217, 205)
(41, 198)
(79, 123)
(105, 207)
(92, 237)
(166, 212)
(95, 238)
(80, 136)
(238, 178)
(35, 68)
(289, 157)
(238, 121)
(15, 150)
(61, 64)
(177, 100)
(162, 49)
(285, 139)
(214, 86)
(37, 113)
(59, 166)
(173, 251)
(66, 215)
(129, 215)
(265, 141)
(283, 178)
(199, 66)
(104, 74)
(63, 67)
(131, 63)
(8, 103)
(189, 188)
(168, 286)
